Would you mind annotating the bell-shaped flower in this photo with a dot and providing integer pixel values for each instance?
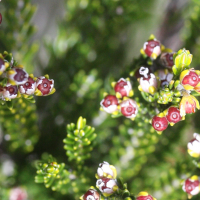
(167, 59)
(159, 122)
(107, 186)
(29, 87)
(152, 48)
(91, 194)
(191, 186)
(10, 92)
(190, 79)
(110, 103)
(188, 104)
(44, 86)
(129, 108)
(3, 64)
(164, 76)
(105, 170)
(123, 88)
(17, 76)
(194, 146)
(173, 115)
(144, 196)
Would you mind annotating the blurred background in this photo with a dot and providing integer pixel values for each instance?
(84, 45)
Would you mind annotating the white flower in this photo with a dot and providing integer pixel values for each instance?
(194, 146)
(105, 170)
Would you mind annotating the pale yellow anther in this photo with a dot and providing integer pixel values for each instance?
(46, 76)
(101, 109)
(12, 82)
(161, 114)
(154, 55)
(20, 66)
(131, 93)
(118, 95)
(10, 72)
(125, 98)
(113, 84)
(115, 188)
(143, 193)
(194, 178)
(118, 107)
(171, 124)
(31, 75)
(115, 112)
(96, 176)
(159, 132)
(142, 51)
(133, 118)
(128, 79)
(152, 89)
(104, 174)
(105, 94)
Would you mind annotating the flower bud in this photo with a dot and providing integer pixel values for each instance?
(159, 122)
(152, 48)
(167, 60)
(28, 88)
(107, 186)
(188, 104)
(148, 83)
(91, 194)
(144, 196)
(3, 65)
(129, 108)
(18, 193)
(105, 170)
(189, 79)
(44, 86)
(194, 146)
(109, 103)
(182, 60)
(10, 92)
(17, 76)
(173, 115)
(191, 186)
(123, 88)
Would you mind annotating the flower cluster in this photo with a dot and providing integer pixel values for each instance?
(15, 81)
(120, 103)
(109, 185)
(165, 79)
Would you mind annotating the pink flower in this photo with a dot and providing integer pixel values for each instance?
(107, 186)
(188, 104)
(18, 193)
(152, 48)
(10, 92)
(17, 76)
(144, 196)
(173, 115)
(123, 88)
(191, 186)
(44, 86)
(167, 59)
(129, 108)
(148, 83)
(109, 103)
(91, 194)
(189, 79)
(29, 87)
(194, 146)
(159, 122)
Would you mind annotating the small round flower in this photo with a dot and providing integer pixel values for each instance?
(91, 194)
(159, 122)
(28, 88)
(107, 186)
(144, 196)
(3, 65)
(152, 48)
(129, 108)
(148, 83)
(188, 104)
(18, 193)
(191, 186)
(189, 79)
(123, 88)
(173, 115)
(44, 86)
(194, 146)
(105, 170)
(164, 76)
(167, 60)
(17, 76)
(109, 103)
(10, 92)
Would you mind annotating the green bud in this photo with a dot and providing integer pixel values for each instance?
(81, 123)
(182, 60)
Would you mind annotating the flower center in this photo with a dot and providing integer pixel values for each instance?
(174, 116)
(45, 85)
(108, 102)
(11, 90)
(27, 84)
(129, 109)
(194, 78)
(157, 125)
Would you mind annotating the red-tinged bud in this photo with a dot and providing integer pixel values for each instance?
(129, 108)
(159, 123)
(109, 103)
(173, 115)
(91, 194)
(144, 196)
(152, 48)
(167, 60)
(192, 185)
(123, 88)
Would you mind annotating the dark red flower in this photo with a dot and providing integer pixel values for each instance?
(173, 115)
(159, 123)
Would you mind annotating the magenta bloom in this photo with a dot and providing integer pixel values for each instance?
(109, 103)
(159, 123)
